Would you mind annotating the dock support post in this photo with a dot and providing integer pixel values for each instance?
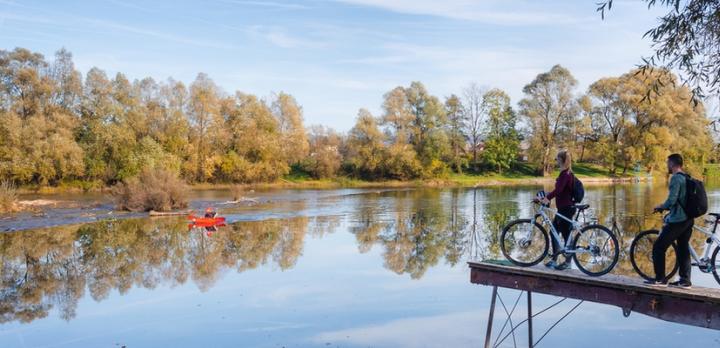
(490, 317)
(529, 317)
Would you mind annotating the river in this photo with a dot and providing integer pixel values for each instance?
(308, 268)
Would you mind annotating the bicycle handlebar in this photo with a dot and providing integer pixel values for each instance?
(539, 203)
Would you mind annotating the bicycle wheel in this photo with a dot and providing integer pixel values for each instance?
(715, 264)
(524, 243)
(641, 255)
(596, 250)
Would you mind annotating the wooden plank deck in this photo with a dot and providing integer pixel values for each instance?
(698, 306)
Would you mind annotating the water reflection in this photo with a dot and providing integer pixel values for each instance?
(50, 268)
(413, 230)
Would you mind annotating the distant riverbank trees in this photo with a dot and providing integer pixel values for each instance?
(58, 126)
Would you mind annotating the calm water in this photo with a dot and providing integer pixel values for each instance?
(340, 268)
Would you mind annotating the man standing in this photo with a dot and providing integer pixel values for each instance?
(676, 227)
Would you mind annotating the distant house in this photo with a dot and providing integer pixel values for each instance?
(524, 149)
(480, 148)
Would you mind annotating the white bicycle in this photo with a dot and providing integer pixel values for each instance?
(593, 247)
(641, 252)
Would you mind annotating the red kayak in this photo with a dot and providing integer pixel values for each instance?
(205, 221)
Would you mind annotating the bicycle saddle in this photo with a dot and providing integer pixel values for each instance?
(581, 207)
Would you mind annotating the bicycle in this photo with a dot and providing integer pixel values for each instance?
(594, 247)
(641, 253)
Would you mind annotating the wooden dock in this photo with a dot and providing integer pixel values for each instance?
(698, 306)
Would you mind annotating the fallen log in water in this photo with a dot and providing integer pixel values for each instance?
(167, 213)
(242, 200)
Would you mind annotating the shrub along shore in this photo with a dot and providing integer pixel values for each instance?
(589, 173)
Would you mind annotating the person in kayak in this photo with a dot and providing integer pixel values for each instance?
(210, 212)
(564, 204)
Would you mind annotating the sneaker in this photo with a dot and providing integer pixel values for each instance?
(551, 264)
(655, 283)
(685, 284)
(562, 266)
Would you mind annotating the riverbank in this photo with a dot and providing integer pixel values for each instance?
(44, 210)
(453, 181)
(521, 175)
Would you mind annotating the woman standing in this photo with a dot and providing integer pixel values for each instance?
(565, 206)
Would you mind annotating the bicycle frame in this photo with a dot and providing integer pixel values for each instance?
(542, 212)
(711, 240)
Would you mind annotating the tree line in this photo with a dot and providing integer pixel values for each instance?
(57, 126)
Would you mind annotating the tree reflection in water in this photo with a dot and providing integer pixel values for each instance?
(419, 228)
(50, 268)
(414, 230)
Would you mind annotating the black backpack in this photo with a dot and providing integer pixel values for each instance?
(696, 203)
(578, 190)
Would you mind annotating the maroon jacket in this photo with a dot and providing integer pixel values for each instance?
(563, 189)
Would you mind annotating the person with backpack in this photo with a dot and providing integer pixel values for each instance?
(682, 203)
(565, 204)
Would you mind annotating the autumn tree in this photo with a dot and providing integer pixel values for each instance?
(290, 116)
(416, 121)
(96, 113)
(428, 118)
(206, 123)
(454, 111)
(57, 126)
(474, 118)
(364, 150)
(611, 116)
(37, 124)
(324, 159)
(550, 109)
(255, 149)
(397, 115)
(633, 129)
(502, 140)
(173, 127)
(585, 136)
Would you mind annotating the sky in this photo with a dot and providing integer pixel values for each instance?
(337, 56)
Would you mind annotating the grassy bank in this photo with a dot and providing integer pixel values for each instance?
(522, 174)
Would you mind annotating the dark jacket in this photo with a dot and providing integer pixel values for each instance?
(676, 197)
(563, 189)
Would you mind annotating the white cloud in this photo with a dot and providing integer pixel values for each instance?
(269, 4)
(492, 12)
(157, 34)
(448, 330)
(25, 18)
(448, 68)
(279, 37)
(282, 295)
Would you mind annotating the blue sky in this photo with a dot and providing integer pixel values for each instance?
(336, 56)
